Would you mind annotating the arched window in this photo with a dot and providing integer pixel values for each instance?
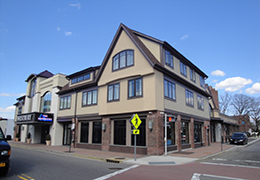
(33, 87)
(46, 102)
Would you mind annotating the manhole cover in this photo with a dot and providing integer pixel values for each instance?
(115, 168)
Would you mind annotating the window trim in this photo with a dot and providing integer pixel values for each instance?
(198, 101)
(113, 99)
(193, 75)
(202, 82)
(86, 92)
(168, 54)
(167, 81)
(65, 97)
(83, 78)
(189, 93)
(183, 69)
(135, 96)
(126, 60)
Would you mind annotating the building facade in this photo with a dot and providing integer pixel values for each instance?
(139, 75)
(36, 112)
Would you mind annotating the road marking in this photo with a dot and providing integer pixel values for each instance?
(233, 165)
(196, 176)
(116, 173)
(236, 160)
(26, 177)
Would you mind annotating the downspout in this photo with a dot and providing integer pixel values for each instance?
(75, 116)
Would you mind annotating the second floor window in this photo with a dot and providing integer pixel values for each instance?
(192, 75)
(46, 102)
(189, 98)
(183, 69)
(113, 92)
(200, 103)
(89, 98)
(169, 90)
(65, 102)
(135, 88)
(168, 59)
(123, 59)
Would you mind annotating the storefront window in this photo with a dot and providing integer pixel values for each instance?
(140, 138)
(84, 132)
(97, 132)
(197, 132)
(171, 133)
(120, 132)
(184, 132)
(67, 134)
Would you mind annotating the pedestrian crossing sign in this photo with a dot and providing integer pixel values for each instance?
(136, 121)
(136, 131)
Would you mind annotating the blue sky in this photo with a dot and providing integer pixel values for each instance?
(221, 37)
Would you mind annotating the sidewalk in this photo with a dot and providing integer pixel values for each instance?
(185, 156)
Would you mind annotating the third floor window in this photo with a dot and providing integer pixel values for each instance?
(168, 59)
(123, 59)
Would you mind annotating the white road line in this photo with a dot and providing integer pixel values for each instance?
(234, 165)
(116, 173)
(196, 176)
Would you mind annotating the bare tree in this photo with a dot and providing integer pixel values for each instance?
(242, 104)
(255, 113)
(224, 103)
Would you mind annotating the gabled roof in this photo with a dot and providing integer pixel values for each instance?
(45, 74)
(155, 63)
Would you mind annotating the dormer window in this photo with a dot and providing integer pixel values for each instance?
(123, 59)
(168, 59)
(80, 78)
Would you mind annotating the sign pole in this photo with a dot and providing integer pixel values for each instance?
(165, 134)
(135, 148)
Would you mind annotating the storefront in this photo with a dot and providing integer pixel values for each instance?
(37, 124)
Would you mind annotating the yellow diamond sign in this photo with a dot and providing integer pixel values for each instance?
(136, 121)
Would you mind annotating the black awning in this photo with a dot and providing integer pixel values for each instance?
(35, 118)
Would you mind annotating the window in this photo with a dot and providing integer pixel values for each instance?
(183, 69)
(123, 59)
(46, 102)
(189, 98)
(169, 90)
(192, 75)
(65, 102)
(33, 87)
(184, 132)
(120, 132)
(97, 133)
(80, 78)
(170, 133)
(200, 103)
(141, 138)
(202, 82)
(89, 98)
(168, 59)
(20, 110)
(113, 92)
(243, 122)
(135, 88)
(197, 132)
(84, 132)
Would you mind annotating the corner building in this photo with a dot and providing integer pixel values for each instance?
(139, 74)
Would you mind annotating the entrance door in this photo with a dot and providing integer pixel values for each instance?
(45, 131)
(67, 134)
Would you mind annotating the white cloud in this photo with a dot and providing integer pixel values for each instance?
(68, 33)
(214, 80)
(7, 110)
(233, 84)
(255, 89)
(217, 73)
(58, 28)
(184, 36)
(76, 5)
(10, 95)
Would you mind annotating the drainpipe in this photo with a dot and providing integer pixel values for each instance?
(75, 116)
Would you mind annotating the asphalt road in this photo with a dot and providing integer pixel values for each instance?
(41, 165)
(247, 155)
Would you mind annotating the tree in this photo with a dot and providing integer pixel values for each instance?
(255, 113)
(224, 103)
(242, 104)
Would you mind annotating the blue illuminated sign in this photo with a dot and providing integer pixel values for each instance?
(45, 118)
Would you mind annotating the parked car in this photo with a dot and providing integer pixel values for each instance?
(239, 138)
(5, 152)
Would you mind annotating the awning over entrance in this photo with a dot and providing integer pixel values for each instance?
(35, 118)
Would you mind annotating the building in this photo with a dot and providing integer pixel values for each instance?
(36, 112)
(222, 126)
(139, 75)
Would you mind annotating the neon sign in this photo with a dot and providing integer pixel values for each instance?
(44, 117)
